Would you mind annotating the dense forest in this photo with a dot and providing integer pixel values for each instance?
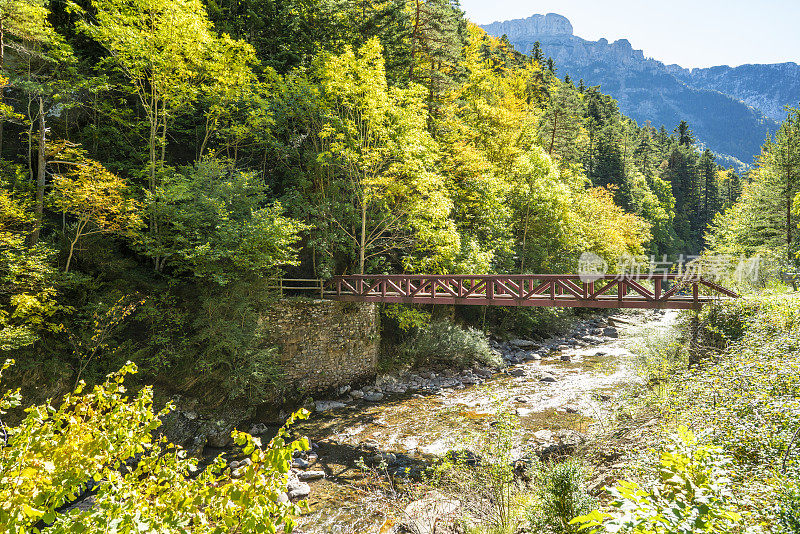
(171, 157)
(163, 161)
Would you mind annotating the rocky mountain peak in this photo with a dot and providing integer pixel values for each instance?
(551, 24)
(730, 109)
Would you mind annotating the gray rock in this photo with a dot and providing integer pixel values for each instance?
(522, 343)
(547, 378)
(297, 490)
(325, 406)
(283, 498)
(483, 373)
(610, 331)
(258, 429)
(431, 514)
(357, 394)
(383, 457)
(310, 475)
(517, 371)
(373, 397)
(566, 358)
(220, 438)
(342, 390)
(370, 445)
(300, 463)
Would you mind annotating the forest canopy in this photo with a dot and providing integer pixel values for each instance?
(178, 155)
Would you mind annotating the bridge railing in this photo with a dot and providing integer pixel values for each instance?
(554, 290)
(312, 286)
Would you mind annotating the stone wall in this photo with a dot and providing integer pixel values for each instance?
(325, 344)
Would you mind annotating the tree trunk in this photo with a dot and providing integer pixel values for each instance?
(41, 164)
(553, 137)
(414, 38)
(363, 245)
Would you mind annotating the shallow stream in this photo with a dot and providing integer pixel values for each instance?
(569, 389)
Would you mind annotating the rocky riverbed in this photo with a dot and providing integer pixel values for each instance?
(561, 389)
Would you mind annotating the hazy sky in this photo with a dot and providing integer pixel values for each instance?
(691, 33)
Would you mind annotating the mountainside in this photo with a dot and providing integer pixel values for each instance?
(731, 110)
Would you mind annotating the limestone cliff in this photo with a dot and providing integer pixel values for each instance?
(731, 110)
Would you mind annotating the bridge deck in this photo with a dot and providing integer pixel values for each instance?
(567, 290)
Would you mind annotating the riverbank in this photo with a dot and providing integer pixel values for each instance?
(562, 391)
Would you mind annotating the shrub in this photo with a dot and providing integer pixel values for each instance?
(485, 482)
(725, 323)
(562, 497)
(690, 496)
(447, 343)
(788, 509)
(51, 455)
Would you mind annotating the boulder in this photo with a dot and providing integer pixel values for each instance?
(610, 331)
(297, 490)
(310, 475)
(373, 396)
(548, 379)
(433, 514)
(357, 394)
(325, 406)
(300, 463)
(517, 371)
(522, 343)
(258, 429)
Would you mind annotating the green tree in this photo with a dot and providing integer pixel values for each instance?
(437, 40)
(685, 135)
(97, 199)
(168, 52)
(27, 290)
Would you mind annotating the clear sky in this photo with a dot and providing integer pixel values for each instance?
(691, 33)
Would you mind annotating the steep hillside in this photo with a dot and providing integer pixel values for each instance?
(730, 110)
(768, 88)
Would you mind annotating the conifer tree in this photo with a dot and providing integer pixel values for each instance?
(685, 135)
(537, 54)
(437, 42)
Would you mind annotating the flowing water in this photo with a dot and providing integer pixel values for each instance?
(415, 428)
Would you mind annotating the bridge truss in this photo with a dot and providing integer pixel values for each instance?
(671, 291)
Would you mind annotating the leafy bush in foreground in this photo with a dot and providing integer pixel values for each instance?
(692, 495)
(49, 457)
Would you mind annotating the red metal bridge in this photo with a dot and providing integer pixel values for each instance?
(671, 291)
